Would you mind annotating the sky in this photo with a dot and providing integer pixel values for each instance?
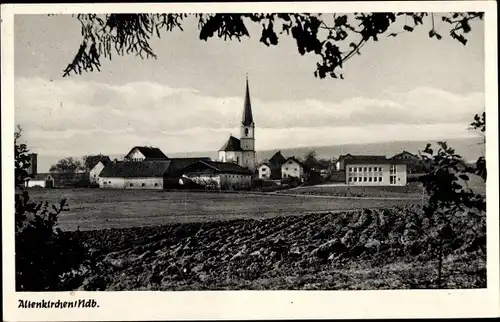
(191, 98)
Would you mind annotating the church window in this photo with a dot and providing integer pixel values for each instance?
(246, 131)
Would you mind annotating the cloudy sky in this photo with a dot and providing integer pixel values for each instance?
(191, 98)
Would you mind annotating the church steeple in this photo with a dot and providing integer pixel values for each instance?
(247, 119)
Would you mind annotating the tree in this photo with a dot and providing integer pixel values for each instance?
(310, 160)
(479, 124)
(47, 259)
(452, 209)
(67, 165)
(89, 161)
(333, 38)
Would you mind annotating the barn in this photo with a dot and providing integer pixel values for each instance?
(134, 175)
(218, 175)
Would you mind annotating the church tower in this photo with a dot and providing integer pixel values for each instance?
(247, 135)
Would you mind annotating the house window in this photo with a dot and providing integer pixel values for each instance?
(350, 179)
(109, 181)
(370, 169)
(370, 179)
(131, 184)
(355, 169)
(380, 179)
(393, 169)
(143, 184)
(156, 184)
(392, 179)
(350, 169)
(365, 179)
(286, 169)
(360, 169)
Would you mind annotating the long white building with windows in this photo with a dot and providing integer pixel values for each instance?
(375, 171)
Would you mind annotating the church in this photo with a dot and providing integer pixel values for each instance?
(242, 151)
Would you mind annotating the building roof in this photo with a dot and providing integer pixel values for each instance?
(277, 158)
(404, 153)
(150, 152)
(178, 164)
(247, 119)
(128, 169)
(232, 144)
(93, 160)
(39, 176)
(220, 167)
(362, 157)
(373, 159)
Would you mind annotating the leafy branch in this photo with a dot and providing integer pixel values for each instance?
(334, 38)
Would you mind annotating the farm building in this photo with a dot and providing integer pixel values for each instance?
(42, 180)
(264, 171)
(275, 163)
(292, 168)
(96, 166)
(59, 180)
(218, 175)
(375, 171)
(145, 153)
(173, 173)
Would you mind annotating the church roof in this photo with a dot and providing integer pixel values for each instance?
(247, 119)
(232, 144)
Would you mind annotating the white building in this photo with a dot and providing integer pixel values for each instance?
(292, 168)
(377, 171)
(95, 171)
(264, 172)
(242, 151)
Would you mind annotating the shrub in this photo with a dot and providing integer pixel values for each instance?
(47, 259)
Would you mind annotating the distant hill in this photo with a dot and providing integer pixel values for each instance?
(468, 148)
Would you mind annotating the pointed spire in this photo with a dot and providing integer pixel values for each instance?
(247, 108)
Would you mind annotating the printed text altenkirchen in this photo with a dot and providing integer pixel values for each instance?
(49, 304)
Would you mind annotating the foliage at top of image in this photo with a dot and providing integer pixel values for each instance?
(334, 38)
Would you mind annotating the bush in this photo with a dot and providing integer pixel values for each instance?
(47, 259)
(291, 182)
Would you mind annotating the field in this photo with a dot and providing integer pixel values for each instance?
(159, 240)
(410, 191)
(359, 250)
(91, 209)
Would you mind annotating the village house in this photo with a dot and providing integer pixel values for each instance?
(375, 171)
(413, 163)
(145, 153)
(96, 164)
(264, 171)
(242, 151)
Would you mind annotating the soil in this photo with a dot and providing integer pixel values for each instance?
(365, 249)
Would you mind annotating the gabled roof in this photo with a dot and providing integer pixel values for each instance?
(219, 167)
(371, 159)
(93, 160)
(362, 157)
(150, 152)
(296, 160)
(178, 164)
(404, 153)
(247, 119)
(128, 169)
(232, 144)
(277, 158)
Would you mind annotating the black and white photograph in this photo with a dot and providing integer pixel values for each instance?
(252, 149)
